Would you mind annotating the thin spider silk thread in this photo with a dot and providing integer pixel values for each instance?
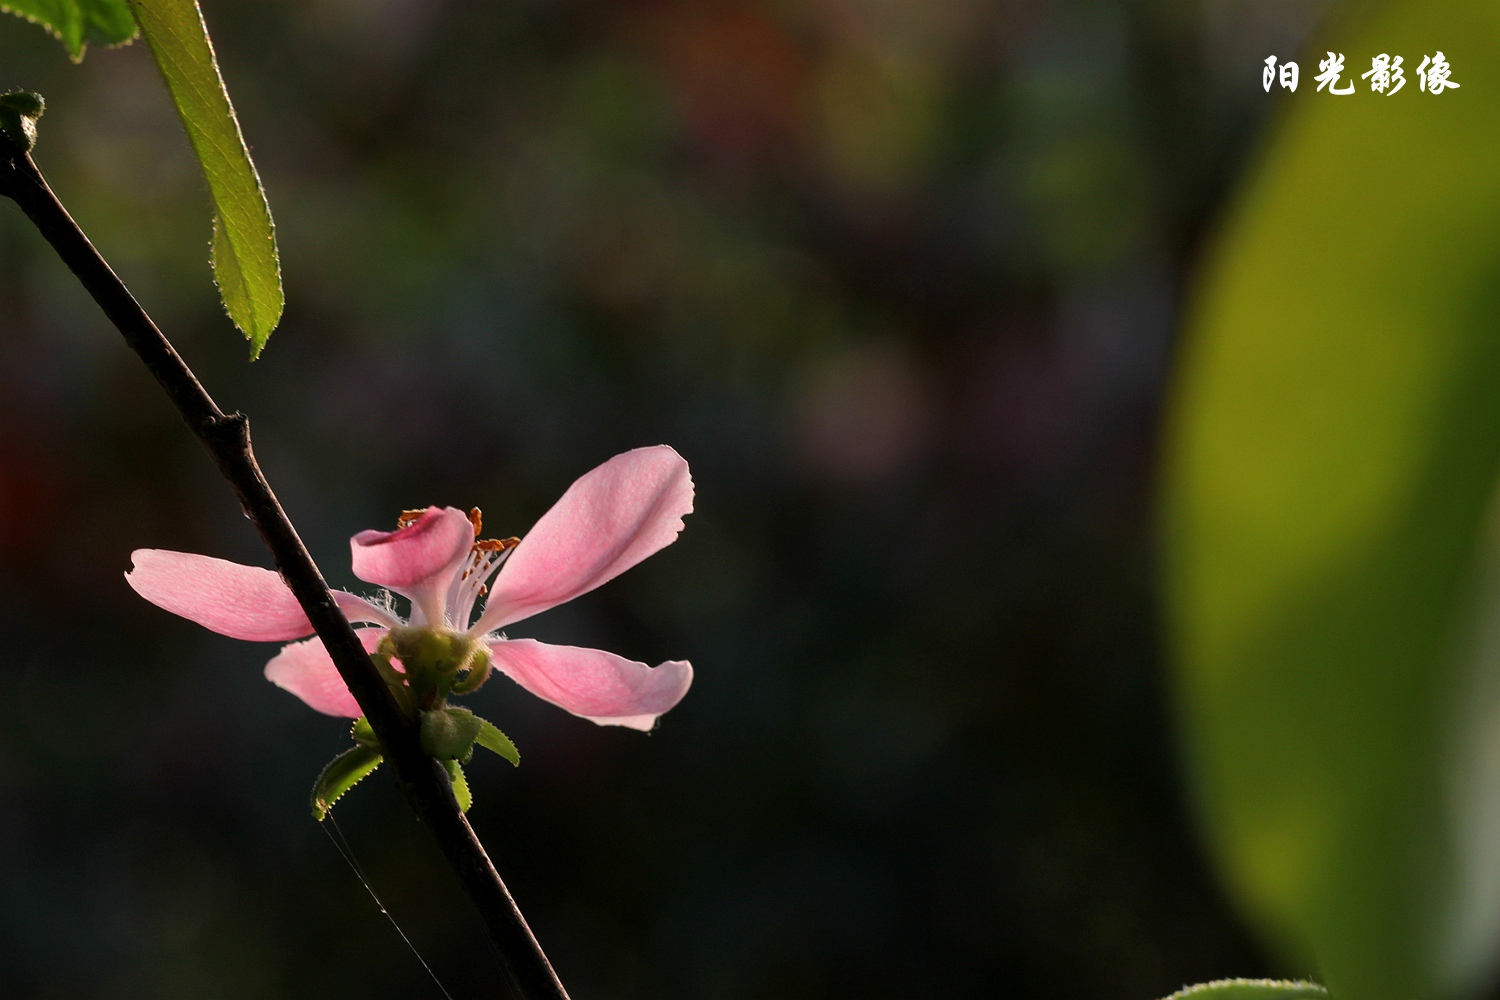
(346, 851)
(511, 989)
(505, 978)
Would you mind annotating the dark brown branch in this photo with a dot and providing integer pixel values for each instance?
(226, 437)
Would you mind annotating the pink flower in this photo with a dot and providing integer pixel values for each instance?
(607, 521)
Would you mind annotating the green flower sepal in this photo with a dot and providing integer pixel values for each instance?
(449, 734)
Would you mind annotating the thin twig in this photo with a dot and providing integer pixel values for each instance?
(226, 437)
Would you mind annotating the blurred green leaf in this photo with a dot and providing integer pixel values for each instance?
(78, 22)
(460, 784)
(1333, 453)
(342, 773)
(1250, 989)
(245, 261)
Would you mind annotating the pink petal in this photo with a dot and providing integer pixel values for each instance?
(591, 683)
(307, 671)
(417, 561)
(607, 521)
(357, 609)
(243, 602)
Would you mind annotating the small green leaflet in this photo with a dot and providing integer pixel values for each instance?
(75, 23)
(1251, 989)
(342, 773)
(449, 733)
(460, 785)
(246, 266)
(364, 733)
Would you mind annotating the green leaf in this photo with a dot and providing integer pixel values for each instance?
(78, 22)
(495, 741)
(449, 733)
(460, 785)
(245, 261)
(342, 773)
(1334, 451)
(1251, 989)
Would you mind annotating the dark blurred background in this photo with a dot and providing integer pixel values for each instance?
(898, 277)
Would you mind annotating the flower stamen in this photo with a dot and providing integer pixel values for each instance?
(476, 518)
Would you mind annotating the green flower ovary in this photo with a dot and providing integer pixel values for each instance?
(438, 662)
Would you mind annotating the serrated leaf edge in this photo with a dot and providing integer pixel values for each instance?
(460, 785)
(83, 44)
(1302, 986)
(320, 805)
(496, 742)
(258, 324)
(49, 29)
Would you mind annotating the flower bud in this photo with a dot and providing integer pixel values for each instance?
(19, 110)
